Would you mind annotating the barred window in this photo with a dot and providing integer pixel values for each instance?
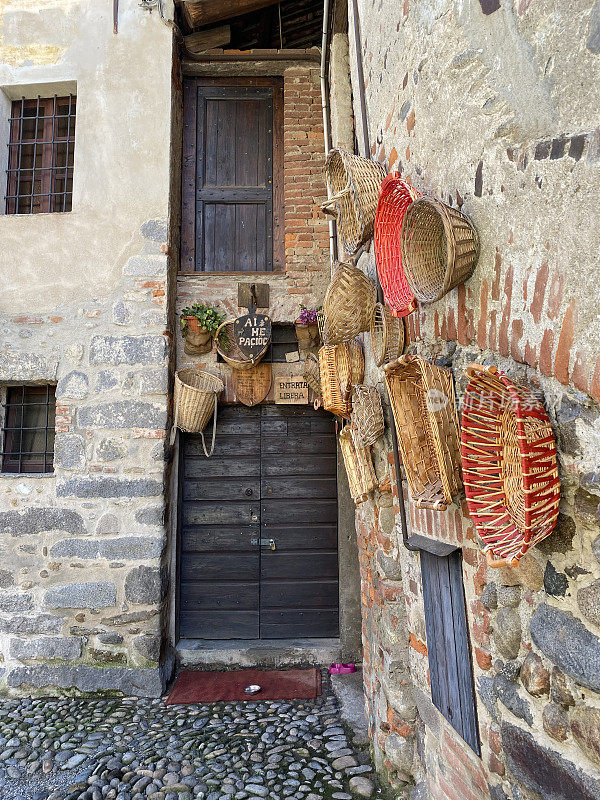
(40, 155)
(28, 433)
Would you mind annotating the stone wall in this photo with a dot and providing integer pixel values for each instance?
(484, 105)
(83, 307)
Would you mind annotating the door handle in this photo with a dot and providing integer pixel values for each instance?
(270, 543)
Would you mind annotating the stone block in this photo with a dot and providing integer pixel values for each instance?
(559, 691)
(390, 568)
(131, 548)
(106, 656)
(585, 727)
(108, 523)
(507, 632)
(387, 519)
(528, 573)
(593, 38)
(567, 643)
(74, 385)
(109, 487)
(155, 230)
(151, 515)
(69, 451)
(534, 676)
(39, 520)
(561, 540)
(7, 579)
(555, 722)
(46, 649)
(145, 585)
(111, 449)
(555, 583)
(130, 617)
(15, 603)
(508, 694)
(106, 380)
(75, 548)
(509, 596)
(23, 367)
(121, 313)
(400, 751)
(148, 646)
(150, 266)
(110, 638)
(588, 600)
(154, 381)
(29, 626)
(545, 771)
(127, 350)
(596, 548)
(122, 414)
(489, 596)
(101, 594)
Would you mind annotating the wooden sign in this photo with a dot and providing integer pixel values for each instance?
(251, 386)
(291, 390)
(252, 334)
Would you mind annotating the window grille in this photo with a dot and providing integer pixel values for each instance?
(41, 155)
(28, 433)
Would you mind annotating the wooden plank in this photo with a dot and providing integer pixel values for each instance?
(299, 594)
(220, 566)
(220, 538)
(223, 467)
(232, 446)
(284, 624)
(219, 489)
(275, 564)
(299, 488)
(303, 537)
(318, 445)
(213, 513)
(280, 512)
(201, 41)
(206, 12)
(188, 177)
(219, 625)
(220, 596)
(273, 466)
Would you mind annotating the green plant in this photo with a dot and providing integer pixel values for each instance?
(209, 318)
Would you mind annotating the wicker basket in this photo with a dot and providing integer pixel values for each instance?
(367, 415)
(387, 335)
(348, 305)
(359, 467)
(424, 408)
(312, 374)
(440, 247)
(195, 398)
(509, 462)
(341, 366)
(354, 188)
(231, 353)
(394, 200)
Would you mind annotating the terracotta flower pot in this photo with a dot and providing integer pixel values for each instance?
(197, 340)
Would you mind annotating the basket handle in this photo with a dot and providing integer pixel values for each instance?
(480, 369)
(327, 205)
(496, 563)
(175, 420)
(214, 433)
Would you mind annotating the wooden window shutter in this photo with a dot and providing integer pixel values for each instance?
(231, 180)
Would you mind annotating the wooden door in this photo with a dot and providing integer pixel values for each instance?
(231, 194)
(272, 477)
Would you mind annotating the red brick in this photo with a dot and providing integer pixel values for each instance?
(555, 295)
(546, 353)
(492, 330)
(483, 658)
(580, 375)
(496, 281)
(503, 347)
(452, 334)
(516, 333)
(462, 314)
(482, 324)
(595, 382)
(565, 343)
(539, 292)
(496, 765)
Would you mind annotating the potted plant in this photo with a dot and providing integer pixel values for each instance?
(307, 328)
(199, 323)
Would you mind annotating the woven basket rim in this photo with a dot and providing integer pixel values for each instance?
(229, 359)
(180, 375)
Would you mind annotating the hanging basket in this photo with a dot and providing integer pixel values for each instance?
(359, 467)
(394, 200)
(311, 374)
(439, 247)
(341, 366)
(367, 415)
(354, 188)
(387, 335)
(348, 305)
(509, 462)
(195, 400)
(230, 352)
(424, 408)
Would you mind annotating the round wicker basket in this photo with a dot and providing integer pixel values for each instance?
(367, 415)
(231, 353)
(195, 400)
(354, 187)
(394, 200)
(387, 335)
(348, 304)
(439, 247)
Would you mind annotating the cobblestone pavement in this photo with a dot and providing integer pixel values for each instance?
(132, 749)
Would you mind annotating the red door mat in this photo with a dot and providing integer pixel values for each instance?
(194, 686)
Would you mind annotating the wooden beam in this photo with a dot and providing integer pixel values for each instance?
(205, 12)
(201, 41)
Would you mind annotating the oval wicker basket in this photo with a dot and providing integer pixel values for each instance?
(354, 188)
(348, 304)
(424, 408)
(231, 353)
(311, 373)
(341, 366)
(440, 246)
(359, 467)
(509, 464)
(195, 400)
(394, 200)
(367, 415)
(387, 335)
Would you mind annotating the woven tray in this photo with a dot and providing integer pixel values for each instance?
(354, 188)
(509, 462)
(424, 408)
(341, 366)
(359, 467)
(367, 415)
(439, 247)
(394, 200)
(348, 304)
(387, 335)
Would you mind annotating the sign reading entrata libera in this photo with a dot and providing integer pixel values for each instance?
(252, 334)
(291, 390)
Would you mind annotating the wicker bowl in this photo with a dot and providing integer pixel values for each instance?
(354, 187)
(348, 304)
(394, 200)
(509, 465)
(231, 353)
(387, 335)
(439, 247)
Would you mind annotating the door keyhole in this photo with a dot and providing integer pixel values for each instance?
(248, 492)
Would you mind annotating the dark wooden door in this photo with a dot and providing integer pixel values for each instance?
(231, 191)
(272, 477)
(450, 671)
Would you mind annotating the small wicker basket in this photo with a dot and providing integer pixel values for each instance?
(367, 415)
(341, 366)
(387, 335)
(359, 467)
(195, 398)
(311, 374)
(394, 200)
(439, 247)
(510, 467)
(424, 408)
(230, 352)
(348, 305)
(354, 187)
